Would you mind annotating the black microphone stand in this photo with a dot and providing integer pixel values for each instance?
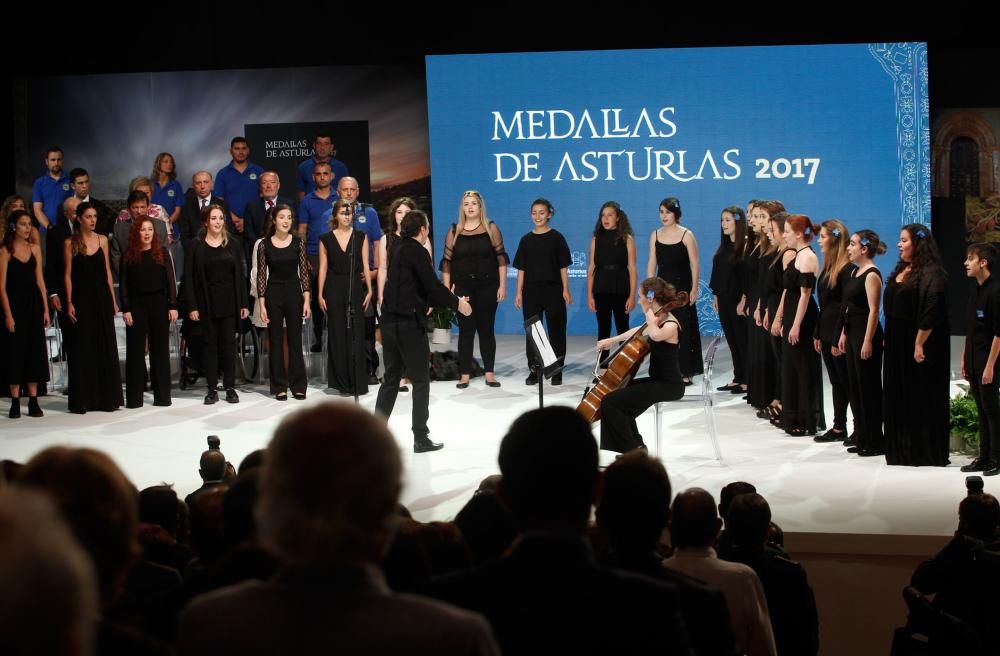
(351, 319)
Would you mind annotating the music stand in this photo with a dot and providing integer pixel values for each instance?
(545, 363)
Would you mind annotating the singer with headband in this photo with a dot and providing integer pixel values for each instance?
(916, 372)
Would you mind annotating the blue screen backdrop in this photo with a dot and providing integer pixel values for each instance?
(832, 131)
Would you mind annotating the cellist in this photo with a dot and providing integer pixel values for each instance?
(665, 383)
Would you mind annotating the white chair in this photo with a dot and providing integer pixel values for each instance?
(708, 396)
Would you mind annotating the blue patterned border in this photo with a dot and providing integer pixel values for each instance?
(906, 65)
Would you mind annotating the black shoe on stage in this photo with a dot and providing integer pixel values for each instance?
(831, 436)
(316, 348)
(556, 379)
(868, 453)
(993, 470)
(493, 383)
(33, 409)
(232, 396)
(211, 397)
(15, 408)
(978, 465)
(425, 445)
(532, 379)
(727, 388)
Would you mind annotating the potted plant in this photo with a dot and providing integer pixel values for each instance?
(964, 424)
(443, 319)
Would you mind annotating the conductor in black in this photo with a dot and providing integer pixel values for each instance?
(411, 285)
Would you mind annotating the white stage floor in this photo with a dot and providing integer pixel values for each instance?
(812, 488)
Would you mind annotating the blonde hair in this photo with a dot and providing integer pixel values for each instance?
(460, 226)
(835, 259)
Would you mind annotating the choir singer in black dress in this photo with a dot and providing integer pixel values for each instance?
(409, 286)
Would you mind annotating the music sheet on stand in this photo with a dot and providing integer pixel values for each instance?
(541, 341)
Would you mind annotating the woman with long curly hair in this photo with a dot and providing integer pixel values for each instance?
(917, 353)
(149, 304)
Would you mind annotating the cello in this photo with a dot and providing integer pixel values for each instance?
(623, 365)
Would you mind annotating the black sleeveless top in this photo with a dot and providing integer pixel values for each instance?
(673, 264)
(611, 274)
(664, 364)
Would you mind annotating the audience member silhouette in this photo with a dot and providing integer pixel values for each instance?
(694, 529)
(329, 491)
(790, 601)
(633, 513)
(548, 595)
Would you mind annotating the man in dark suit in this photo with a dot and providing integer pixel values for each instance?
(634, 511)
(329, 490)
(79, 180)
(548, 595)
(790, 601)
(194, 203)
(410, 287)
(138, 206)
(253, 214)
(55, 264)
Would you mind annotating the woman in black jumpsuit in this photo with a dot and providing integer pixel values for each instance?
(149, 305)
(611, 272)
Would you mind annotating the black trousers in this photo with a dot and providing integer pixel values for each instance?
(864, 384)
(318, 316)
(988, 406)
(482, 293)
(608, 305)
(836, 370)
(620, 408)
(545, 298)
(220, 345)
(405, 348)
(734, 327)
(284, 312)
(149, 320)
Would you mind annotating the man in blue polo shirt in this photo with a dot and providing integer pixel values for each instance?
(50, 190)
(366, 220)
(312, 207)
(238, 182)
(323, 152)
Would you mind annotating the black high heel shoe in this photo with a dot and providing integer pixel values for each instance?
(775, 414)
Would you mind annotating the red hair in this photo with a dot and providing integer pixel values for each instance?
(800, 223)
(134, 250)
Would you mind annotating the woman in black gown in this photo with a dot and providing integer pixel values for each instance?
(778, 258)
(673, 257)
(620, 408)
(862, 342)
(95, 379)
(216, 299)
(475, 265)
(346, 365)
(730, 291)
(833, 277)
(800, 367)
(283, 301)
(149, 305)
(25, 313)
(917, 353)
(611, 272)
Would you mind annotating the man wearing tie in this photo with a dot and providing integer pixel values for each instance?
(194, 203)
(253, 215)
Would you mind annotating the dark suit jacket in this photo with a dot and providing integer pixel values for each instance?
(549, 596)
(327, 609)
(703, 607)
(253, 220)
(190, 218)
(411, 283)
(790, 601)
(55, 263)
